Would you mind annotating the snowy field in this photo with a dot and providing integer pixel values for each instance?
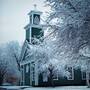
(61, 88)
(46, 88)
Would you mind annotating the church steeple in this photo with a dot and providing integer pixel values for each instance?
(34, 17)
(34, 29)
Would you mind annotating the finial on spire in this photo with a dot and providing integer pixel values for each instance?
(35, 7)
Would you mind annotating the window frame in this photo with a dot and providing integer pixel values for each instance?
(72, 77)
(82, 73)
(56, 77)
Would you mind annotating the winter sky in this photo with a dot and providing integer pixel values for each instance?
(13, 18)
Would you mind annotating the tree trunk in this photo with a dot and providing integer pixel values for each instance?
(1, 80)
(51, 78)
(87, 79)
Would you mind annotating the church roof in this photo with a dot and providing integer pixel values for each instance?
(34, 12)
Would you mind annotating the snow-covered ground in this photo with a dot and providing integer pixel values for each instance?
(13, 87)
(60, 88)
(46, 88)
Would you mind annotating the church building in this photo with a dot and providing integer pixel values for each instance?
(29, 68)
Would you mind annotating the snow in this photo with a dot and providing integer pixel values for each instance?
(59, 88)
(46, 88)
(13, 87)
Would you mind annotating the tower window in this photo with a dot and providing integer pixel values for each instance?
(27, 34)
(37, 33)
(31, 19)
(36, 19)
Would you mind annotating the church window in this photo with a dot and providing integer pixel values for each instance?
(71, 73)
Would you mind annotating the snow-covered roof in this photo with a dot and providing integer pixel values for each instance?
(34, 12)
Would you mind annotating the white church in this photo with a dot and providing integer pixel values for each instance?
(29, 67)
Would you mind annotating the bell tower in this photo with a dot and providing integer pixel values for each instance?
(34, 30)
(28, 64)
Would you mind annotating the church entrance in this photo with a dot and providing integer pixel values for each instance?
(33, 74)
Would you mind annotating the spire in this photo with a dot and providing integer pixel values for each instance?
(35, 7)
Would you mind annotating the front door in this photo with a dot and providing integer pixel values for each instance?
(33, 74)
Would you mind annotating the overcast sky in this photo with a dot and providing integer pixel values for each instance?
(13, 18)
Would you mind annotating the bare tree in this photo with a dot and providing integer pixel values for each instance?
(9, 62)
(14, 50)
(85, 53)
(72, 27)
(3, 65)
